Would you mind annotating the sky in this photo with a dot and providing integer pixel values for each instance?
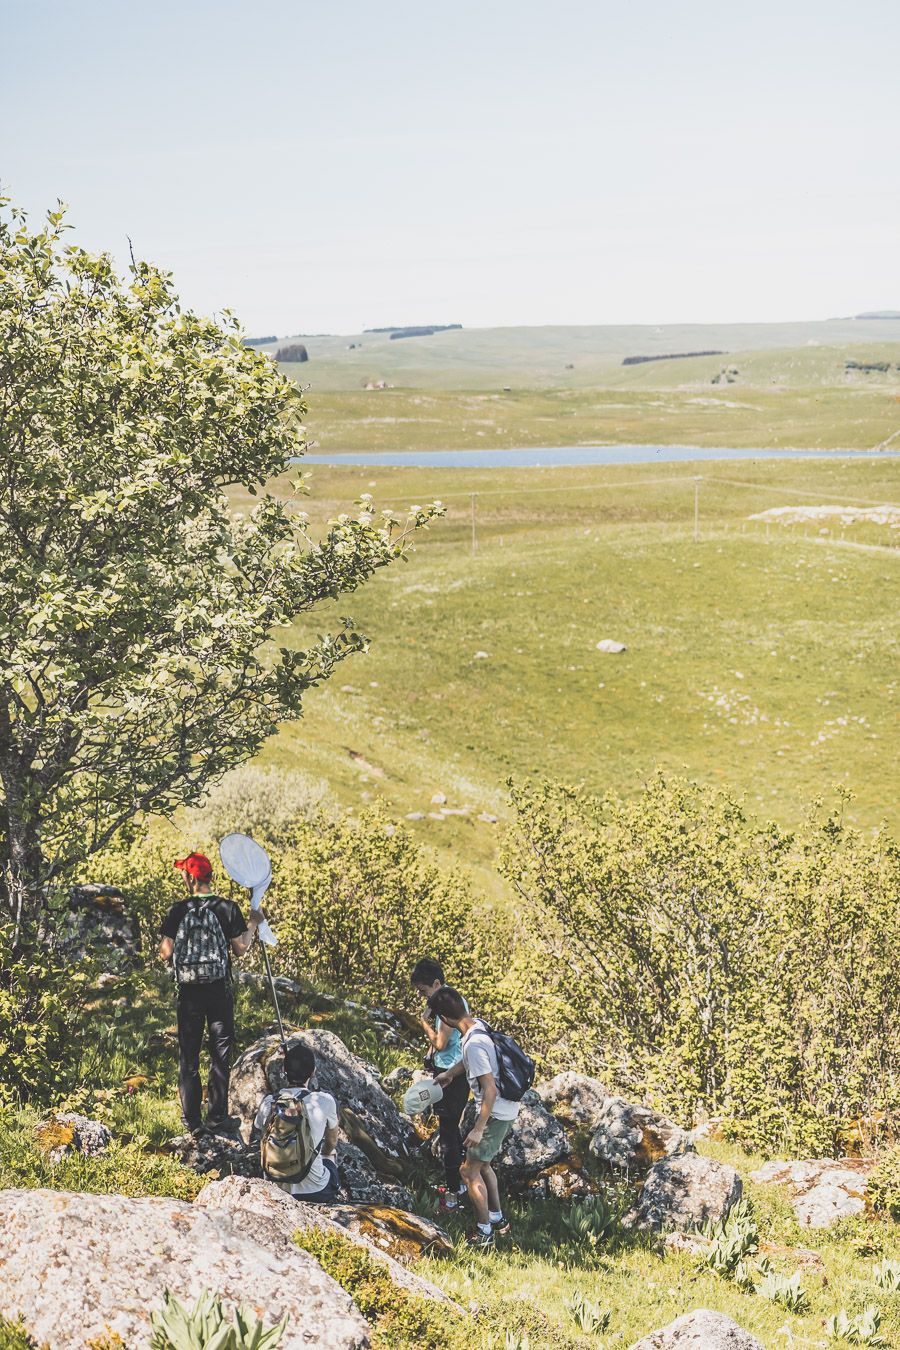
(330, 165)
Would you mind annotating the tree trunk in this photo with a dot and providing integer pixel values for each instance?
(23, 867)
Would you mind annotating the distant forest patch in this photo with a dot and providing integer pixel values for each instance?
(667, 356)
(879, 314)
(424, 330)
(868, 366)
(295, 351)
(259, 342)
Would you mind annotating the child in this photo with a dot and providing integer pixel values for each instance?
(321, 1183)
(427, 977)
(495, 1113)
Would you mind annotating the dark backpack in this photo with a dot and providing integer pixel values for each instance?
(200, 953)
(516, 1069)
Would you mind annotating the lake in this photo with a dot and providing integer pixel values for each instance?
(572, 456)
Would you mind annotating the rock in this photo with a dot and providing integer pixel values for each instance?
(85, 1266)
(96, 927)
(369, 1119)
(398, 1078)
(264, 1212)
(631, 1138)
(218, 1153)
(486, 818)
(402, 1235)
(535, 1142)
(482, 656)
(560, 1182)
(574, 1098)
(699, 1330)
(684, 1193)
(609, 645)
(66, 1132)
(439, 799)
(822, 1191)
(362, 1183)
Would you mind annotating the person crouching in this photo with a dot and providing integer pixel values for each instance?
(298, 1132)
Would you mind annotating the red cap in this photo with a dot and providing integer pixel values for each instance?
(197, 865)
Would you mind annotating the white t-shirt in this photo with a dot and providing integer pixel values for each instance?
(322, 1111)
(480, 1057)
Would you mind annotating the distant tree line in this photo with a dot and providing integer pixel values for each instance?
(868, 366)
(295, 351)
(425, 330)
(667, 356)
(260, 342)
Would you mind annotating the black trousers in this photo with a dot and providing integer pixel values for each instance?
(449, 1113)
(201, 1006)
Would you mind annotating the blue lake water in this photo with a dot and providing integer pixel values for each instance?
(573, 456)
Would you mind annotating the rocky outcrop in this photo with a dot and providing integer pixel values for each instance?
(684, 1193)
(362, 1184)
(404, 1236)
(822, 1191)
(699, 1330)
(632, 1138)
(80, 1267)
(575, 1099)
(265, 1213)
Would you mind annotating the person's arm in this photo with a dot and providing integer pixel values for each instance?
(329, 1141)
(488, 1097)
(447, 1077)
(243, 943)
(166, 948)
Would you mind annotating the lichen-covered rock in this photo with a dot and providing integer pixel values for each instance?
(369, 1119)
(270, 1216)
(684, 1193)
(223, 1152)
(822, 1191)
(404, 1236)
(575, 1099)
(631, 1138)
(67, 1132)
(699, 1330)
(80, 1267)
(97, 926)
(562, 1181)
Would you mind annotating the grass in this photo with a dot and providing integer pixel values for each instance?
(761, 657)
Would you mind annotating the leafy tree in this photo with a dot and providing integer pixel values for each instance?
(137, 609)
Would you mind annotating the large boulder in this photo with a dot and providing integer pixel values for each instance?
(699, 1330)
(684, 1193)
(264, 1212)
(402, 1235)
(79, 1267)
(536, 1141)
(369, 1119)
(631, 1138)
(362, 1184)
(575, 1099)
(822, 1191)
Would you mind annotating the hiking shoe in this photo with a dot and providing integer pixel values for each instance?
(501, 1227)
(198, 1132)
(223, 1125)
(480, 1242)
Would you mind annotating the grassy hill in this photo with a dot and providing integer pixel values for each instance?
(761, 656)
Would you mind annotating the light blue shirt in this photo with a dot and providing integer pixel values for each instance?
(452, 1051)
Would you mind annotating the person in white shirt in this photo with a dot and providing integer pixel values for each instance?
(321, 1184)
(493, 1121)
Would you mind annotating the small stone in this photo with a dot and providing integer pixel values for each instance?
(487, 819)
(609, 645)
(482, 656)
(415, 815)
(439, 799)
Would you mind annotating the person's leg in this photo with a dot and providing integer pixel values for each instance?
(472, 1175)
(489, 1177)
(220, 1017)
(191, 1021)
(449, 1114)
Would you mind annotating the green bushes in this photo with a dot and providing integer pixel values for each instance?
(715, 963)
(883, 1189)
(41, 1003)
(14, 1336)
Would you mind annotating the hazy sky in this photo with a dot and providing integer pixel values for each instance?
(324, 165)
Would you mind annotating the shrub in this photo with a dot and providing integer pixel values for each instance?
(294, 351)
(883, 1188)
(14, 1336)
(266, 803)
(712, 962)
(41, 1006)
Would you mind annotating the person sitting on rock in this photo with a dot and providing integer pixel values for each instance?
(200, 935)
(445, 1052)
(494, 1119)
(304, 1136)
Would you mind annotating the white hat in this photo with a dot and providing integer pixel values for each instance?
(422, 1095)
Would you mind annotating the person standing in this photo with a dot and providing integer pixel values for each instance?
(445, 1052)
(199, 935)
(495, 1117)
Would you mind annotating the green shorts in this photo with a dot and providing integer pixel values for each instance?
(495, 1131)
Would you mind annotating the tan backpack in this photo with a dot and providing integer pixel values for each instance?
(286, 1147)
